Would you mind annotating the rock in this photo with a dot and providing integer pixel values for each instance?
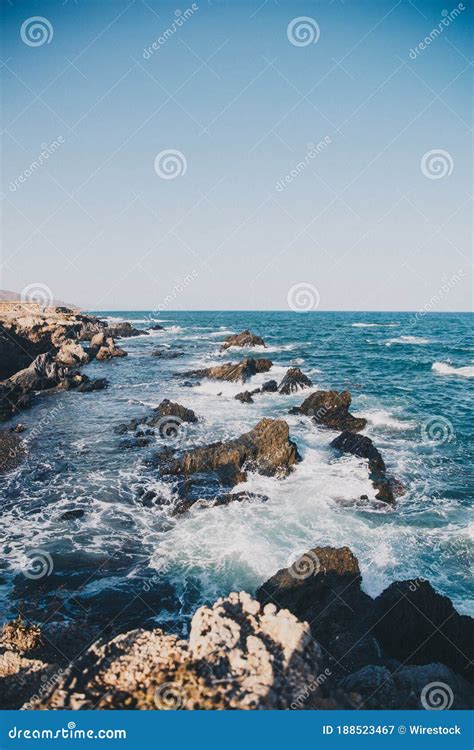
(121, 429)
(189, 384)
(408, 687)
(167, 353)
(72, 354)
(331, 409)
(243, 339)
(72, 515)
(18, 428)
(233, 372)
(239, 656)
(267, 449)
(270, 386)
(245, 397)
(156, 327)
(323, 587)
(108, 350)
(417, 625)
(363, 447)
(98, 340)
(123, 330)
(168, 416)
(293, 381)
(12, 451)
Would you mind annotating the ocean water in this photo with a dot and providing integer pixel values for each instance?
(122, 564)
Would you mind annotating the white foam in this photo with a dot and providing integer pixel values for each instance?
(408, 340)
(375, 325)
(383, 418)
(443, 368)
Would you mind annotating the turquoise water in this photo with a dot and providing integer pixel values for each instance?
(123, 561)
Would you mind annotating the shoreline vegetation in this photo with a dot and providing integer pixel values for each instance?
(308, 638)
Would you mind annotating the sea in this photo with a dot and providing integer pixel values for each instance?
(125, 563)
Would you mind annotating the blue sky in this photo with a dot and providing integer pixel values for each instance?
(360, 221)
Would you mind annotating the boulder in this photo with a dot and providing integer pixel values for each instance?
(245, 397)
(233, 372)
(72, 354)
(323, 587)
(293, 381)
(331, 409)
(169, 409)
(428, 687)
(417, 625)
(245, 339)
(363, 447)
(123, 330)
(109, 349)
(269, 386)
(267, 449)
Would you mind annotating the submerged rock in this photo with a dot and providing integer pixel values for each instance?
(167, 353)
(246, 396)
(293, 381)
(233, 372)
(363, 447)
(244, 339)
(214, 502)
(331, 409)
(267, 449)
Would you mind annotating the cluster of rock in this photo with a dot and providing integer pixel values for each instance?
(168, 418)
(243, 340)
(310, 639)
(40, 351)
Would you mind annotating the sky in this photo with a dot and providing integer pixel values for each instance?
(218, 155)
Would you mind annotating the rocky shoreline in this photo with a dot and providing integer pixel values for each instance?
(308, 638)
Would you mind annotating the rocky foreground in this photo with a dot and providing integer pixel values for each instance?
(309, 639)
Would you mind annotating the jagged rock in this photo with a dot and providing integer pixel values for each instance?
(246, 397)
(239, 656)
(243, 339)
(233, 372)
(270, 386)
(267, 449)
(109, 349)
(363, 447)
(408, 687)
(167, 353)
(12, 451)
(72, 354)
(293, 381)
(123, 330)
(416, 624)
(331, 409)
(323, 587)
